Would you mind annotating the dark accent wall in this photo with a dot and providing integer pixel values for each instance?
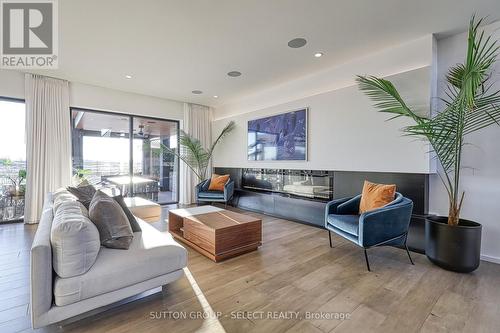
(412, 185)
(345, 184)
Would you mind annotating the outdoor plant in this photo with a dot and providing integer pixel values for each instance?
(192, 152)
(80, 176)
(471, 104)
(17, 180)
(81, 173)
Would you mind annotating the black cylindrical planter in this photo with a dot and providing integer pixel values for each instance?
(453, 247)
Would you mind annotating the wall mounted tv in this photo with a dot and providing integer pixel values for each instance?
(279, 137)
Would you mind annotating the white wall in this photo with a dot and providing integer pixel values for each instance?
(389, 61)
(98, 98)
(92, 97)
(481, 178)
(11, 84)
(344, 130)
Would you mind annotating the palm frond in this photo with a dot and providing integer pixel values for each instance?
(225, 131)
(386, 97)
(481, 54)
(485, 113)
(183, 157)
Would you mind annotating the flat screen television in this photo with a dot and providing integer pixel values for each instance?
(279, 137)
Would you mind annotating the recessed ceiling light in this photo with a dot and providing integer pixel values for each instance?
(128, 76)
(297, 42)
(234, 74)
(215, 96)
(318, 54)
(197, 92)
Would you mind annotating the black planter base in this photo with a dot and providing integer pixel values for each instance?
(455, 248)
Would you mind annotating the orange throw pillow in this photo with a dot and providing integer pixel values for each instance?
(376, 196)
(217, 182)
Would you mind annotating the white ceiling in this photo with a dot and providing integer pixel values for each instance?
(173, 47)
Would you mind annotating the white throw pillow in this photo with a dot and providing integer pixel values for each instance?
(75, 206)
(60, 196)
(74, 239)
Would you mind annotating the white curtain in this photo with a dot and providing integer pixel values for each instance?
(48, 140)
(197, 122)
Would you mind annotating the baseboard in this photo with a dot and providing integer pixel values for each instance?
(492, 259)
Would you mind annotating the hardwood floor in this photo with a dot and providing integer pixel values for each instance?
(294, 271)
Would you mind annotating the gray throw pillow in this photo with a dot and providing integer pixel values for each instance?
(83, 193)
(111, 221)
(131, 218)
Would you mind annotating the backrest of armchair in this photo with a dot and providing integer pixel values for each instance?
(398, 197)
(205, 185)
(41, 264)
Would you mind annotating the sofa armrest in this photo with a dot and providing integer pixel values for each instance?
(41, 267)
(383, 224)
(228, 190)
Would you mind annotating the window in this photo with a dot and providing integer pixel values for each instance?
(12, 160)
(123, 153)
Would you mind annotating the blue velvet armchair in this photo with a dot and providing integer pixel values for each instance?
(204, 195)
(387, 225)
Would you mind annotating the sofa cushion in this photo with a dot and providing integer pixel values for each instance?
(111, 221)
(211, 195)
(74, 240)
(151, 254)
(346, 223)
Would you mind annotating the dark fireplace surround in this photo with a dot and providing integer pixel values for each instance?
(301, 195)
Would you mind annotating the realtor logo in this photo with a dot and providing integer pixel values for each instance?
(29, 34)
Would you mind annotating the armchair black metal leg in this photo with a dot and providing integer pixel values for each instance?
(408, 252)
(367, 262)
(330, 237)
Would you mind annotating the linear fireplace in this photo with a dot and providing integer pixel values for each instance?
(311, 184)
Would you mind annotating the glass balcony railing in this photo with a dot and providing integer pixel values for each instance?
(12, 190)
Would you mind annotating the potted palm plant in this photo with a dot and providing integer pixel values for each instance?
(193, 154)
(471, 104)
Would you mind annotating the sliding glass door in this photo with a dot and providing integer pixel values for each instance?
(100, 145)
(124, 154)
(152, 162)
(12, 160)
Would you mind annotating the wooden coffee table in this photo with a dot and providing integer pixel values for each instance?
(214, 232)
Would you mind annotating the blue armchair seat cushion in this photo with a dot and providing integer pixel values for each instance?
(211, 195)
(346, 223)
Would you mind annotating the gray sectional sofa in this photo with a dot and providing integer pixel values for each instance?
(92, 280)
